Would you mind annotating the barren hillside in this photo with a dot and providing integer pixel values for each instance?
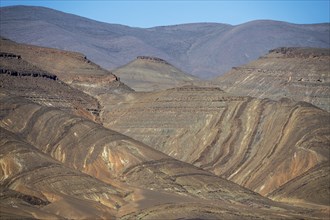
(205, 50)
(259, 144)
(301, 74)
(129, 179)
(152, 73)
(75, 142)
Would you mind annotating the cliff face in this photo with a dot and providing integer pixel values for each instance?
(259, 144)
(128, 178)
(302, 74)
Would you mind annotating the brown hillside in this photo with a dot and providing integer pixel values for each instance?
(72, 68)
(132, 179)
(151, 73)
(20, 78)
(259, 144)
(301, 74)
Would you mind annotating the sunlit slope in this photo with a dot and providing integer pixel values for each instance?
(205, 50)
(301, 74)
(257, 143)
(151, 73)
(140, 182)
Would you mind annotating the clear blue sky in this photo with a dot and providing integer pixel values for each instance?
(157, 13)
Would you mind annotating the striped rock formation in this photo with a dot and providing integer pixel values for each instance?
(57, 165)
(301, 74)
(258, 143)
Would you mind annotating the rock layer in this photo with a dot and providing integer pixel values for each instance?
(152, 73)
(302, 74)
(132, 179)
(72, 68)
(22, 79)
(259, 144)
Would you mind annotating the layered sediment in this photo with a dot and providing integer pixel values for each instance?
(129, 179)
(20, 78)
(301, 74)
(258, 143)
(152, 73)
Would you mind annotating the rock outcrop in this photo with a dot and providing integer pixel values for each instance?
(259, 144)
(301, 74)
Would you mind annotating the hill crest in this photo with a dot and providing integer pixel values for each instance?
(205, 50)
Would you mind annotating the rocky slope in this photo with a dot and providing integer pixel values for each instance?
(301, 74)
(129, 179)
(72, 68)
(152, 73)
(259, 144)
(20, 78)
(205, 50)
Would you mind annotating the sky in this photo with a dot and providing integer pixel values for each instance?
(150, 13)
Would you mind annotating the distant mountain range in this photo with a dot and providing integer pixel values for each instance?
(205, 50)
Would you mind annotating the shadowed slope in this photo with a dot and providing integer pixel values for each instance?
(259, 144)
(151, 73)
(205, 50)
(119, 160)
(302, 74)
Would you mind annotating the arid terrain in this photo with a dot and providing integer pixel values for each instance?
(148, 140)
(205, 50)
(301, 74)
(152, 73)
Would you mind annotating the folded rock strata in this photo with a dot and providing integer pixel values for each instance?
(258, 143)
(301, 74)
(138, 181)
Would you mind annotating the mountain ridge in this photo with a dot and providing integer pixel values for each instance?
(205, 50)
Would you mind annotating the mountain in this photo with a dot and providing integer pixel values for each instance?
(20, 78)
(152, 73)
(72, 68)
(301, 74)
(257, 143)
(57, 165)
(205, 50)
